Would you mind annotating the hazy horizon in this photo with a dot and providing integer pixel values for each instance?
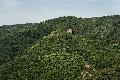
(31, 11)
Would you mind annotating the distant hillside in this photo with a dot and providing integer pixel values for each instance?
(45, 51)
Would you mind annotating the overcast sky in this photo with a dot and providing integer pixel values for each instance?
(30, 11)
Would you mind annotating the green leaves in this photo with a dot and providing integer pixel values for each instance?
(45, 51)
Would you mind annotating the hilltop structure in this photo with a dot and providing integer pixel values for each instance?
(69, 30)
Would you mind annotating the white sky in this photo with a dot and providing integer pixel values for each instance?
(30, 11)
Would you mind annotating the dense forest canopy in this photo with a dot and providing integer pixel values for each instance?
(45, 51)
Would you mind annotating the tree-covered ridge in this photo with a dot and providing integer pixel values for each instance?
(15, 38)
(62, 56)
(41, 50)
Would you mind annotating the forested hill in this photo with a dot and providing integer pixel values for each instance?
(45, 51)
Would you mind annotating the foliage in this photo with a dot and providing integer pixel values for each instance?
(45, 51)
